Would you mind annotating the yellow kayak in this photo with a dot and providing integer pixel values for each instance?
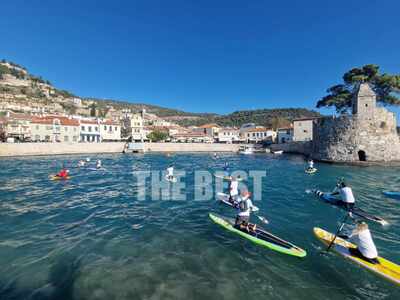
(55, 177)
(385, 268)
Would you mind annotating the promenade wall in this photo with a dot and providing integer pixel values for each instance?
(27, 149)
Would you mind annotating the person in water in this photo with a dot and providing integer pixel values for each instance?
(310, 164)
(81, 163)
(170, 172)
(98, 164)
(366, 249)
(63, 173)
(233, 189)
(346, 194)
(245, 206)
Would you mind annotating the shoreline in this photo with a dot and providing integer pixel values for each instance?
(44, 149)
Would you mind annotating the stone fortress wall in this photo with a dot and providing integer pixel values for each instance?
(369, 134)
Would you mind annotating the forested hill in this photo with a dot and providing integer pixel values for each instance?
(274, 118)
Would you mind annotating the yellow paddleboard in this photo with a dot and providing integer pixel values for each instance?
(55, 177)
(385, 268)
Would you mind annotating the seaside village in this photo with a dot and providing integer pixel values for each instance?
(136, 127)
(40, 127)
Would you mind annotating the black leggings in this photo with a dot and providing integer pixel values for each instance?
(356, 252)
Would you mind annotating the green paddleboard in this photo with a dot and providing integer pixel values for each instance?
(261, 237)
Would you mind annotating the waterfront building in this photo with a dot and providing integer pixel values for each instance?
(258, 134)
(16, 127)
(90, 131)
(54, 129)
(284, 135)
(228, 135)
(133, 126)
(192, 137)
(303, 129)
(210, 130)
(110, 131)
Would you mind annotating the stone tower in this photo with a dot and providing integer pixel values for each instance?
(368, 135)
(364, 101)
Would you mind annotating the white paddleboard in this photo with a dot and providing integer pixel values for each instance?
(224, 198)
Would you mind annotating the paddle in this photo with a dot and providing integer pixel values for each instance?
(337, 232)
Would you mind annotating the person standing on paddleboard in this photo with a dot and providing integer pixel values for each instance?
(170, 172)
(244, 206)
(346, 194)
(366, 249)
(98, 164)
(233, 189)
(310, 164)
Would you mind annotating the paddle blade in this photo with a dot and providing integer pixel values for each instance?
(264, 220)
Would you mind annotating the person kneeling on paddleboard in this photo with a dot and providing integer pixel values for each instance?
(346, 195)
(63, 173)
(244, 206)
(233, 189)
(170, 172)
(366, 249)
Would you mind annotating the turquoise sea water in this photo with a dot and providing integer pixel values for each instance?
(90, 238)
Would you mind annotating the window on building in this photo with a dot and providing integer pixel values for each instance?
(75, 138)
(90, 128)
(65, 128)
(96, 128)
(83, 128)
(47, 138)
(74, 129)
(305, 131)
(37, 127)
(37, 137)
(66, 138)
(105, 127)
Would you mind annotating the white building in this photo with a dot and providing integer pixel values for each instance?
(134, 126)
(54, 129)
(110, 131)
(208, 129)
(285, 135)
(257, 134)
(90, 131)
(228, 135)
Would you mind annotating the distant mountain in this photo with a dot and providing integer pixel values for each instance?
(19, 89)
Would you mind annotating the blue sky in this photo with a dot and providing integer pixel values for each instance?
(214, 56)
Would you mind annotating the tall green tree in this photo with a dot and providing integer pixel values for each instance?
(386, 87)
(157, 136)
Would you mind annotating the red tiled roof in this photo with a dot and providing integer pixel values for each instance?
(190, 134)
(50, 119)
(89, 122)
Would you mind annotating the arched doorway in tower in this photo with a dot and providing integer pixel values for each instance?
(362, 156)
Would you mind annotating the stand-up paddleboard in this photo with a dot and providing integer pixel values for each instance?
(96, 169)
(332, 200)
(385, 268)
(224, 198)
(226, 177)
(310, 170)
(260, 237)
(55, 177)
(173, 179)
(393, 195)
